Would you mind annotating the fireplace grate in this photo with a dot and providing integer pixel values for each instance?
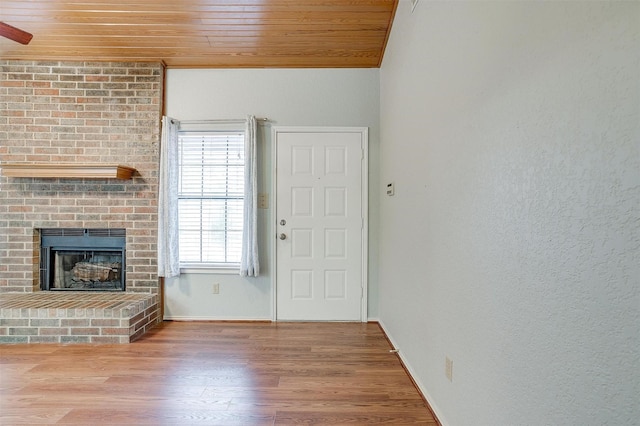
(82, 259)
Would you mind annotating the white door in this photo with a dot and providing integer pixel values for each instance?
(321, 229)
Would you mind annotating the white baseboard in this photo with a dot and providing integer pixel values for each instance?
(414, 377)
(209, 318)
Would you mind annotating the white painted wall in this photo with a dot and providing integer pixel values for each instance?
(512, 244)
(304, 97)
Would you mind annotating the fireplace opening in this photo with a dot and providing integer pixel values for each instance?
(82, 259)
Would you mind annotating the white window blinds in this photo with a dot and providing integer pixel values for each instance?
(210, 198)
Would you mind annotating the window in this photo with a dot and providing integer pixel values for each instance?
(210, 198)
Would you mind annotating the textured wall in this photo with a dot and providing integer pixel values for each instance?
(512, 245)
(79, 112)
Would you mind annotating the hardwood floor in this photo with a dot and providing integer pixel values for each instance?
(214, 373)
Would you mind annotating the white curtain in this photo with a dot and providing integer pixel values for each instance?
(249, 265)
(168, 241)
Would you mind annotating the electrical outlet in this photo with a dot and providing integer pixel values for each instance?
(448, 368)
(216, 288)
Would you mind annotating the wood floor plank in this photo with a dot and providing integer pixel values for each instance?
(175, 416)
(130, 402)
(214, 373)
(32, 416)
(364, 417)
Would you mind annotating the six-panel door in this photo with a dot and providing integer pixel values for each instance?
(319, 225)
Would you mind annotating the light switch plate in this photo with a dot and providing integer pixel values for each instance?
(390, 189)
(263, 200)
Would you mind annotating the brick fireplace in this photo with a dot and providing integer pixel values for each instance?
(78, 112)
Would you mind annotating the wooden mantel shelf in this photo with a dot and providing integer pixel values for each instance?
(67, 170)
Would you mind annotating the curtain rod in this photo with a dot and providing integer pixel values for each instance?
(222, 120)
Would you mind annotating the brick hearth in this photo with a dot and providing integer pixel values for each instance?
(75, 317)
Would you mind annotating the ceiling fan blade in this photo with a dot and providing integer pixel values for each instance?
(15, 34)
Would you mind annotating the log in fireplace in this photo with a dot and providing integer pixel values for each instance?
(80, 259)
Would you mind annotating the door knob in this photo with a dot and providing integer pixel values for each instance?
(283, 236)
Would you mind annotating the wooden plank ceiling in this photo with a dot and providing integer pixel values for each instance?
(203, 33)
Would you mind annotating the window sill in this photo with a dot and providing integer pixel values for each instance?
(210, 270)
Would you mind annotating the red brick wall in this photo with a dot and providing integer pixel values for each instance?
(79, 112)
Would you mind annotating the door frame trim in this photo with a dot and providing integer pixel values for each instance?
(364, 194)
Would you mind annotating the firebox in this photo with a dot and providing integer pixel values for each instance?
(80, 259)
